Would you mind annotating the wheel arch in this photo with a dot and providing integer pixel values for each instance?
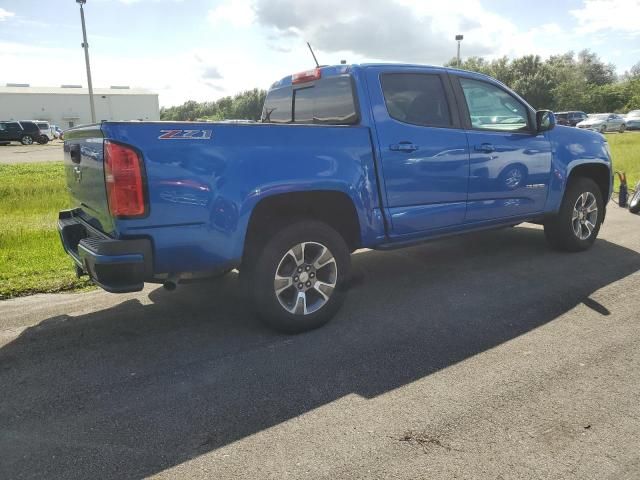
(333, 207)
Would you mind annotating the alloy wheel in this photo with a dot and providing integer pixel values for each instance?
(585, 215)
(305, 278)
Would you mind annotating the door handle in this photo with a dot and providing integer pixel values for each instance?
(406, 147)
(485, 148)
(74, 151)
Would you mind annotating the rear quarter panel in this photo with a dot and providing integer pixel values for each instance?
(202, 192)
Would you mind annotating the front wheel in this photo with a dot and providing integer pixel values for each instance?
(634, 203)
(43, 140)
(298, 282)
(623, 127)
(26, 140)
(575, 227)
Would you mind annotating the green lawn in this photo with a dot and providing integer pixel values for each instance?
(31, 257)
(625, 151)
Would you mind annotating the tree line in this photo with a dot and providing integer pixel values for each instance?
(561, 82)
(246, 105)
(564, 82)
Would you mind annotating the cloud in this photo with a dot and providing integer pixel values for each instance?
(211, 73)
(401, 30)
(4, 14)
(239, 13)
(608, 15)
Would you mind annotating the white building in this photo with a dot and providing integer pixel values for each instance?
(68, 105)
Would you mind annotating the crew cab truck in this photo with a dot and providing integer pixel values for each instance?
(345, 157)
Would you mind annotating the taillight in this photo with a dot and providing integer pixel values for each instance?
(308, 76)
(125, 184)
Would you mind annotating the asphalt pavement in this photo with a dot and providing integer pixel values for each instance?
(481, 356)
(18, 153)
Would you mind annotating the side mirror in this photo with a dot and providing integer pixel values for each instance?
(545, 120)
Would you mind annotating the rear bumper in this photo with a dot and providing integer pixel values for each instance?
(117, 266)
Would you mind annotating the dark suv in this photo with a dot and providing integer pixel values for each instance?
(570, 118)
(24, 132)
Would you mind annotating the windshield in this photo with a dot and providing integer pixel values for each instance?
(634, 114)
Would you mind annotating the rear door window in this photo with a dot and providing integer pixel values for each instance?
(416, 98)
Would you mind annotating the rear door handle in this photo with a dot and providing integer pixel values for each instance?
(74, 151)
(484, 147)
(406, 147)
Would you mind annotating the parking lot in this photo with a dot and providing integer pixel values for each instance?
(18, 153)
(483, 356)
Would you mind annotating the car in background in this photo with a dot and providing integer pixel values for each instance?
(571, 118)
(56, 131)
(604, 122)
(45, 131)
(24, 132)
(632, 119)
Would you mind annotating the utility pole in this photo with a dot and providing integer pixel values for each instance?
(459, 39)
(85, 45)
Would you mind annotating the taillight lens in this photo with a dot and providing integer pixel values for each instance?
(125, 183)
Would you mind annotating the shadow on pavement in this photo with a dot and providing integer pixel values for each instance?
(135, 389)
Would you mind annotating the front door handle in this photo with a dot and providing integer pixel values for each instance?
(485, 148)
(406, 147)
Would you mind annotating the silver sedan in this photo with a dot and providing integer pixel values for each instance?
(604, 122)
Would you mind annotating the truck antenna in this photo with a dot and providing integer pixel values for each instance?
(313, 55)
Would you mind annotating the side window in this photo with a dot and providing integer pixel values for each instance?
(2, 127)
(491, 108)
(416, 98)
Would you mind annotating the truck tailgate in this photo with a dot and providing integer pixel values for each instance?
(84, 170)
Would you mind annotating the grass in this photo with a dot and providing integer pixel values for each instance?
(625, 152)
(31, 257)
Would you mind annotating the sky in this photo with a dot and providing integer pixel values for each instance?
(205, 49)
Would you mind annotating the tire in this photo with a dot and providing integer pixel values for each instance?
(603, 130)
(43, 140)
(569, 229)
(294, 254)
(622, 128)
(26, 140)
(634, 203)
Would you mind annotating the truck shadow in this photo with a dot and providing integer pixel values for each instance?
(135, 389)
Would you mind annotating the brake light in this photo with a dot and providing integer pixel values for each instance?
(308, 76)
(123, 177)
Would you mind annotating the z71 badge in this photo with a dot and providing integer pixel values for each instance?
(185, 135)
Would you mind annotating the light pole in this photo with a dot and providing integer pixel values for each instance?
(85, 45)
(459, 39)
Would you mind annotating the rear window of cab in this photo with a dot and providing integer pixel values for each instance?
(328, 101)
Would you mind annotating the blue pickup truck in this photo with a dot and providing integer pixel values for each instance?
(345, 157)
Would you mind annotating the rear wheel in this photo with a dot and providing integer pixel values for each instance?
(298, 281)
(623, 127)
(577, 224)
(26, 140)
(603, 129)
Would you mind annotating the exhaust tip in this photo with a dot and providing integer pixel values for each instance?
(171, 283)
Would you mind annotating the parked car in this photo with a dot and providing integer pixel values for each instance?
(632, 120)
(345, 157)
(25, 132)
(56, 131)
(604, 122)
(45, 131)
(570, 119)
